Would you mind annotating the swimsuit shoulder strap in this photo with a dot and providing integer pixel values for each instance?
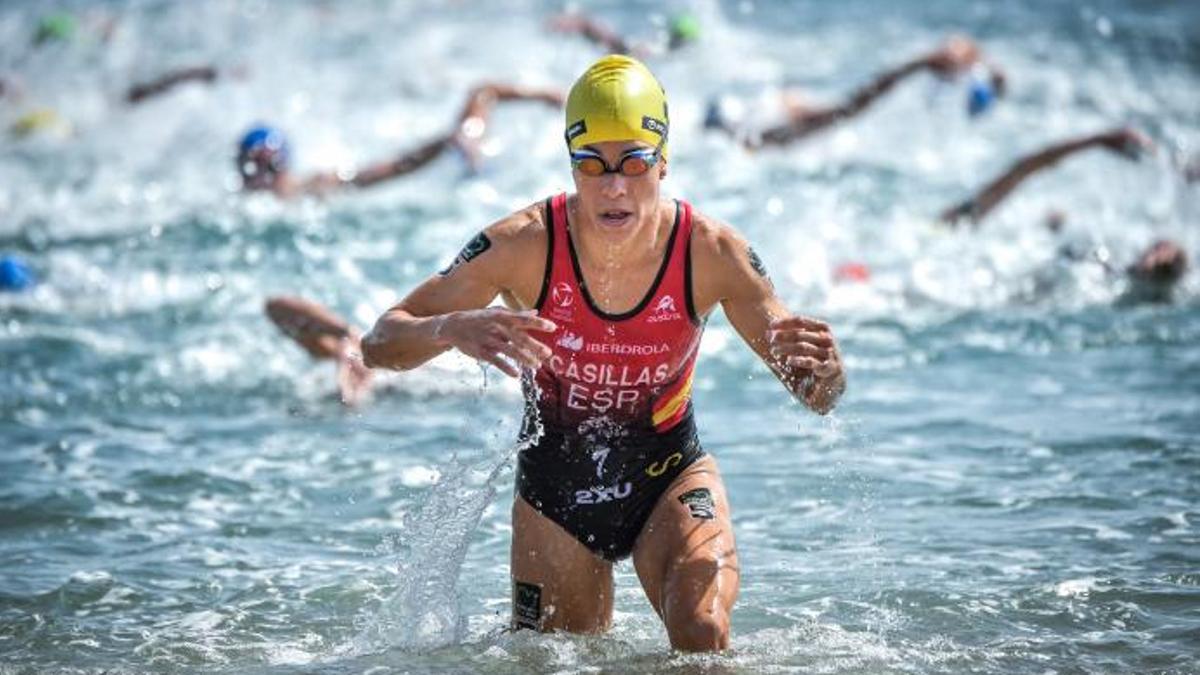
(558, 257)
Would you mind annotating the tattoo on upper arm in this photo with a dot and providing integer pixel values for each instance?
(471, 251)
(757, 263)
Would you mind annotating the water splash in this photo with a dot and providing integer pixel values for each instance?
(423, 611)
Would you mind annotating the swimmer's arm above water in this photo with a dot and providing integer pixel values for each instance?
(141, 92)
(804, 120)
(477, 111)
(1126, 142)
(450, 309)
(955, 56)
(472, 122)
(482, 97)
(406, 163)
(801, 351)
(591, 29)
(324, 183)
(320, 332)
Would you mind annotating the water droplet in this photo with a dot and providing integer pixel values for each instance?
(591, 538)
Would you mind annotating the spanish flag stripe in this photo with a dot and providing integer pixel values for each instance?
(675, 403)
(670, 423)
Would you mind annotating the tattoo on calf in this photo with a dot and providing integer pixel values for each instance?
(700, 503)
(757, 263)
(471, 251)
(527, 605)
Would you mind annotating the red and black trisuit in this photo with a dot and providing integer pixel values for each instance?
(610, 412)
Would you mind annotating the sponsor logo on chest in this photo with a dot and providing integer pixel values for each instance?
(664, 310)
(571, 341)
(562, 302)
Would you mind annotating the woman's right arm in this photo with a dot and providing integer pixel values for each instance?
(450, 310)
(499, 336)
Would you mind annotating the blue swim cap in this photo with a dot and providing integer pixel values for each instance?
(15, 274)
(265, 136)
(980, 96)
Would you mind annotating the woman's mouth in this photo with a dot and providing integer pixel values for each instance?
(615, 217)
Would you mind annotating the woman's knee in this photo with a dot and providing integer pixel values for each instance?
(699, 595)
(699, 630)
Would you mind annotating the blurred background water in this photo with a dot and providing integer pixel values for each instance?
(1011, 485)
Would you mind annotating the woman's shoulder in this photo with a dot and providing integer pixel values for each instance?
(724, 264)
(523, 227)
(515, 248)
(714, 237)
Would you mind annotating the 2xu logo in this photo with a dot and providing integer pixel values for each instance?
(599, 495)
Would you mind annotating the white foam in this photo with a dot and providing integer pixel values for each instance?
(1075, 588)
(418, 476)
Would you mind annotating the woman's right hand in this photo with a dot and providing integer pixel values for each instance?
(497, 336)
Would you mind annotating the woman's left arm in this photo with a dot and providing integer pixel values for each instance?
(801, 351)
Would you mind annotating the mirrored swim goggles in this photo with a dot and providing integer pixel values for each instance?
(636, 162)
(261, 161)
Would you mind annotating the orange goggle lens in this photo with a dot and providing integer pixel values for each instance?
(635, 163)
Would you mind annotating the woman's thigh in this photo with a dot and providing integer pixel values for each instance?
(685, 556)
(558, 584)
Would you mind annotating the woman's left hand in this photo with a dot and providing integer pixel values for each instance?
(806, 353)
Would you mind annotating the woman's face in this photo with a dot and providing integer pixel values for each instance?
(616, 205)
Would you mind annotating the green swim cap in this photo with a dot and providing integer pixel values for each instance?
(54, 27)
(684, 28)
(616, 99)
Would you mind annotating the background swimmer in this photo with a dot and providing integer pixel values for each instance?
(1156, 270)
(1124, 142)
(325, 336)
(16, 275)
(164, 83)
(682, 30)
(264, 153)
(955, 58)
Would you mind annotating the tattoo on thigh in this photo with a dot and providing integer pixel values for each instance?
(527, 605)
(700, 503)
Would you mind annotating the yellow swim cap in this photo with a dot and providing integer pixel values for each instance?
(617, 99)
(43, 119)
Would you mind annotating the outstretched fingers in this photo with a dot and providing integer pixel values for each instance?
(509, 344)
